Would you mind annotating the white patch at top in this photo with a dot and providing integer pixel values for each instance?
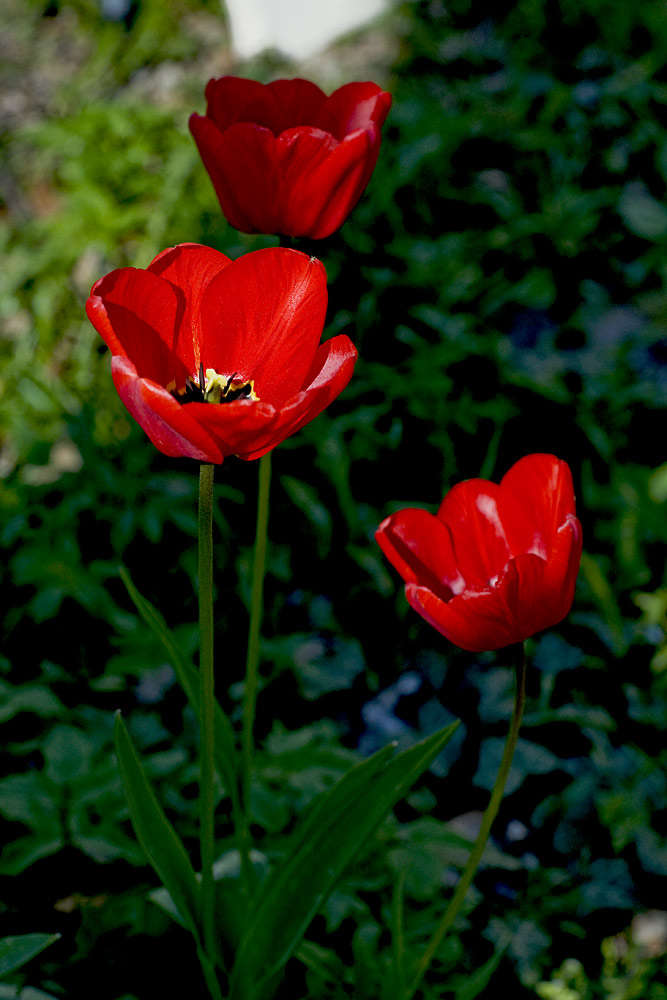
(456, 584)
(487, 506)
(297, 28)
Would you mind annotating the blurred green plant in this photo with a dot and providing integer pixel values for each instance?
(504, 279)
(633, 967)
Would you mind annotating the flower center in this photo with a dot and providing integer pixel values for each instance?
(214, 388)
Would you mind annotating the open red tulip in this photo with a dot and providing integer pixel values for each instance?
(497, 563)
(285, 158)
(214, 357)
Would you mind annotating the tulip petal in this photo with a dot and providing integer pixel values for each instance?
(296, 102)
(136, 312)
(351, 107)
(232, 99)
(330, 372)
(168, 424)
(277, 106)
(240, 163)
(237, 426)
(470, 511)
(523, 596)
(475, 620)
(321, 180)
(419, 546)
(536, 495)
(562, 567)
(188, 267)
(262, 319)
(492, 618)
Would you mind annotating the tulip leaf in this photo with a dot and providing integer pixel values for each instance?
(160, 842)
(328, 839)
(16, 951)
(188, 678)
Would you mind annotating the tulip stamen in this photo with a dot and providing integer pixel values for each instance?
(213, 388)
(190, 393)
(227, 388)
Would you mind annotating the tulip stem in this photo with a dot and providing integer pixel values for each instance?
(206, 709)
(487, 821)
(252, 657)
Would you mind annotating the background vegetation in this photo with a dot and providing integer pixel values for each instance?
(504, 279)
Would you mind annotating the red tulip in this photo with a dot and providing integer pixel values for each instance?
(497, 563)
(285, 158)
(215, 357)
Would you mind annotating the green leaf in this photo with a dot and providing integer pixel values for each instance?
(603, 595)
(26, 993)
(328, 839)
(68, 754)
(642, 213)
(22, 853)
(28, 698)
(159, 840)
(188, 678)
(480, 978)
(16, 951)
(305, 498)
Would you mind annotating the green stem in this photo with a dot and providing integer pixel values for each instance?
(252, 658)
(206, 709)
(209, 975)
(485, 829)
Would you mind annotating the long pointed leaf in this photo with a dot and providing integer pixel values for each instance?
(160, 842)
(16, 951)
(332, 834)
(188, 678)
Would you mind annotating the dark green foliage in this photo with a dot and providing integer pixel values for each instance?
(504, 280)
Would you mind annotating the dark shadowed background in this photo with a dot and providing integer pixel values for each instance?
(504, 280)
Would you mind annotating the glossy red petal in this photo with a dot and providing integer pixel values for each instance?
(330, 372)
(240, 163)
(522, 591)
(321, 180)
(475, 621)
(189, 267)
(506, 598)
(562, 567)
(262, 319)
(419, 546)
(168, 424)
(136, 313)
(536, 496)
(237, 426)
(523, 603)
(351, 107)
(471, 514)
(492, 618)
